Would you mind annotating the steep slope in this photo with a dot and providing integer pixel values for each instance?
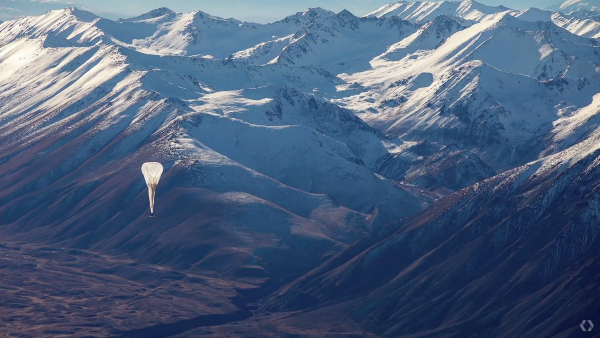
(423, 11)
(573, 6)
(300, 154)
(72, 24)
(295, 60)
(152, 15)
(474, 88)
(580, 21)
(431, 166)
(428, 37)
(199, 33)
(270, 171)
(585, 27)
(160, 31)
(595, 15)
(513, 255)
(325, 42)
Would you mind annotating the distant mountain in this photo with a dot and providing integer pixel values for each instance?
(423, 11)
(585, 26)
(153, 14)
(572, 6)
(326, 41)
(580, 21)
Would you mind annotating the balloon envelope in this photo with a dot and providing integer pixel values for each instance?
(152, 172)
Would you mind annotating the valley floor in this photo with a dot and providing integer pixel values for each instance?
(49, 291)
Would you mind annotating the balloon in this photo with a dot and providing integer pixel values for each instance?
(152, 172)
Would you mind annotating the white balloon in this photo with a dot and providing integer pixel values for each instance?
(152, 172)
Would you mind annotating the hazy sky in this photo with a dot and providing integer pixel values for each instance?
(248, 10)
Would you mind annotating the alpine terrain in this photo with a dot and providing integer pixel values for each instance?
(429, 169)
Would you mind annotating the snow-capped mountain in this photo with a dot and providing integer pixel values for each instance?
(583, 22)
(443, 81)
(286, 143)
(423, 11)
(325, 41)
(475, 85)
(428, 37)
(79, 116)
(588, 27)
(527, 237)
(160, 31)
(573, 6)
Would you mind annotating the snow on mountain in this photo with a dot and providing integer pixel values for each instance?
(307, 17)
(423, 11)
(474, 88)
(428, 37)
(432, 166)
(165, 32)
(572, 6)
(579, 23)
(264, 52)
(84, 28)
(325, 42)
(585, 27)
(160, 31)
(594, 15)
(186, 34)
(69, 23)
(285, 143)
(534, 14)
(444, 80)
(152, 15)
(506, 239)
(199, 33)
(288, 171)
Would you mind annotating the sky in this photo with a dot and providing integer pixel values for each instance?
(262, 11)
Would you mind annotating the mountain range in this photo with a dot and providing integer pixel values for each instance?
(428, 169)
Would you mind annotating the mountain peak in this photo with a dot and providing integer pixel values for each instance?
(80, 14)
(155, 13)
(312, 13)
(534, 14)
(508, 19)
(345, 12)
(528, 20)
(480, 6)
(208, 17)
(445, 22)
(308, 16)
(317, 11)
(423, 11)
(161, 11)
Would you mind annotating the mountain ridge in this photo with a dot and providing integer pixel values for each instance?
(323, 173)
